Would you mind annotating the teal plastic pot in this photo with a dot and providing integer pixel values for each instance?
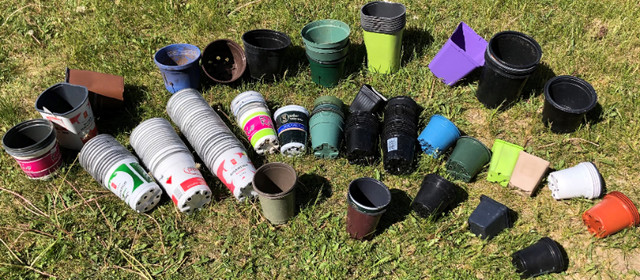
(324, 55)
(275, 184)
(467, 158)
(325, 34)
(326, 133)
(326, 74)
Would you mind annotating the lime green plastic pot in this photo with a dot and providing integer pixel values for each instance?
(383, 51)
(503, 161)
(467, 158)
(326, 74)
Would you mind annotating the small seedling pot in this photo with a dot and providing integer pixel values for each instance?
(566, 101)
(439, 134)
(543, 257)
(368, 99)
(223, 61)
(178, 64)
(275, 184)
(293, 126)
(468, 158)
(33, 145)
(510, 58)
(461, 54)
(368, 199)
(489, 218)
(527, 173)
(265, 51)
(614, 213)
(503, 161)
(436, 194)
(582, 180)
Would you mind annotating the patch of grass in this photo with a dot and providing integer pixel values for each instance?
(70, 227)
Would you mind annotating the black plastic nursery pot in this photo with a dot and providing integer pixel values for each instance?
(511, 57)
(489, 218)
(368, 99)
(361, 137)
(543, 257)
(566, 101)
(265, 51)
(436, 194)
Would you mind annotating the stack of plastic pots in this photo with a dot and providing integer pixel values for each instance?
(327, 44)
(293, 126)
(33, 145)
(439, 134)
(468, 158)
(582, 180)
(368, 99)
(212, 140)
(178, 64)
(383, 24)
(614, 213)
(399, 134)
(566, 101)
(543, 257)
(171, 163)
(368, 199)
(436, 194)
(253, 116)
(361, 136)
(265, 51)
(117, 170)
(325, 126)
(223, 61)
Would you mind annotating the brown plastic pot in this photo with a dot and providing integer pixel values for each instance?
(223, 61)
(528, 173)
(368, 199)
(614, 213)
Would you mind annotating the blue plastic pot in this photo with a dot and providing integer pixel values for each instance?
(178, 64)
(438, 136)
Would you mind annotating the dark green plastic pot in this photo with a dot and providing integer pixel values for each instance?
(326, 74)
(467, 158)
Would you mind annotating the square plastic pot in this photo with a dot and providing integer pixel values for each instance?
(468, 158)
(368, 99)
(503, 160)
(527, 173)
(383, 51)
(463, 52)
(489, 218)
(105, 90)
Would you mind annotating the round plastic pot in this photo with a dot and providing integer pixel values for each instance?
(368, 199)
(614, 213)
(223, 61)
(326, 74)
(543, 257)
(368, 99)
(178, 64)
(325, 129)
(436, 194)
(566, 100)
(33, 145)
(275, 184)
(582, 180)
(328, 100)
(293, 125)
(467, 158)
(511, 57)
(265, 50)
(327, 55)
(503, 161)
(383, 51)
(398, 153)
(361, 137)
(438, 136)
(326, 34)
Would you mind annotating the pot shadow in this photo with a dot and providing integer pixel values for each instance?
(415, 41)
(535, 84)
(313, 189)
(296, 62)
(595, 115)
(470, 78)
(355, 59)
(126, 115)
(396, 212)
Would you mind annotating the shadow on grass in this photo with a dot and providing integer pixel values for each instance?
(355, 59)
(313, 189)
(396, 212)
(415, 41)
(127, 115)
(535, 84)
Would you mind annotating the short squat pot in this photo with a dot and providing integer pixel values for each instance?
(275, 184)
(178, 64)
(614, 213)
(368, 199)
(265, 51)
(436, 194)
(468, 158)
(503, 161)
(582, 180)
(33, 145)
(489, 218)
(438, 136)
(566, 101)
(543, 257)
(223, 61)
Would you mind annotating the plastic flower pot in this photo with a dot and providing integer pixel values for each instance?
(361, 137)
(436, 194)
(326, 131)
(566, 101)
(67, 107)
(383, 51)
(326, 74)
(293, 126)
(489, 218)
(265, 50)
(463, 52)
(511, 57)
(383, 17)
(503, 161)
(528, 172)
(275, 184)
(398, 153)
(368, 199)
(178, 64)
(326, 34)
(327, 55)
(368, 99)
(582, 180)
(33, 145)
(223, 61)
(543, 257)
(439, 134)
(614, 213)
(467, 158)
(105, 90)
(253, 116)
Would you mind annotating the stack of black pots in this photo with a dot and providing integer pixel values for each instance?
(399, 135)
(362, 130)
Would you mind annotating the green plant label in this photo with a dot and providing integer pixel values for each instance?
(126, 178)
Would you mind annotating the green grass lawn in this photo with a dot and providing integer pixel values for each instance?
(70, 227)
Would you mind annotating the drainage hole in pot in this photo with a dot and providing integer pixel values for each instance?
(144, 197)
(188, 198)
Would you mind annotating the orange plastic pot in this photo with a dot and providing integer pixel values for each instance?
(614, 213)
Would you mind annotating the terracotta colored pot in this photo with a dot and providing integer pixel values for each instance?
(614, 213)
